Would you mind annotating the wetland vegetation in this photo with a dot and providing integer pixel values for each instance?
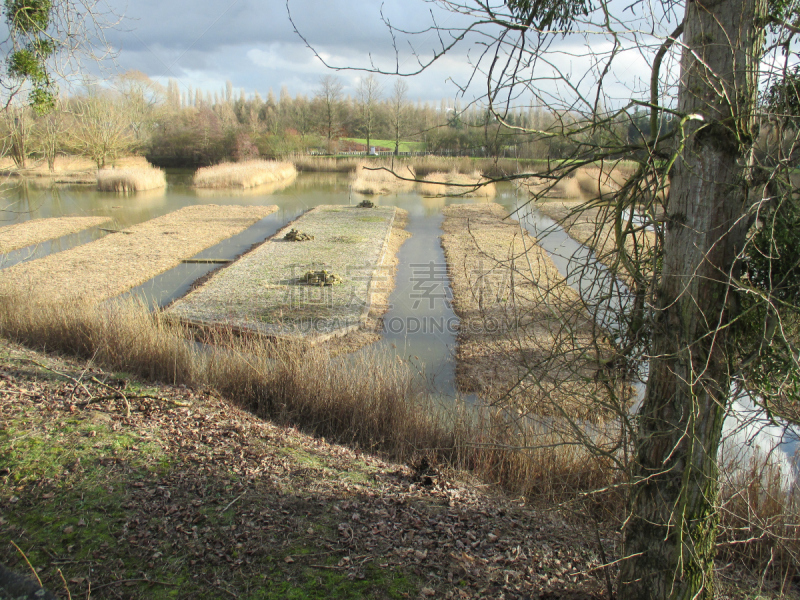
(352, 420)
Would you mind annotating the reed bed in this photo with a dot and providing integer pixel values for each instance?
(248, 174)
(266, 189)
(468, 185)
(375, 402)
(525, 335)
(603, 183)
(131, 179)
(422, 165)
(325, 164)
(372, 180)
(115, 263)
(36, 231)
(567, 187)
(68, 163)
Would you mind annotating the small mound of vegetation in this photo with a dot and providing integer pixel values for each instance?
(131, 180)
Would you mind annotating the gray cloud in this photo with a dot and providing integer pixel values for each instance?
(252, 43)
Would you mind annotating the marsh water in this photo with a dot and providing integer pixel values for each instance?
(420, 326)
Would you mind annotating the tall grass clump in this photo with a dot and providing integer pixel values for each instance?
(603, 183)
(245, 174)
(566, 187)
(306, 163)
(457, 184)
(374, 180)
(131, 179)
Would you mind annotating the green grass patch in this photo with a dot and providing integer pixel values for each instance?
(317, 583)
(404, 146)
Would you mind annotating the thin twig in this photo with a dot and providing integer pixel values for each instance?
(116, 391)
(609, 587)
(66, 587)
(60, 374)
(30, 566)
(231, 503)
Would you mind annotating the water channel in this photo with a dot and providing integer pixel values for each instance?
(419, 327)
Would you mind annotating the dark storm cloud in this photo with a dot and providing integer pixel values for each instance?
(203, 43)
(207, 25)
(252, 43)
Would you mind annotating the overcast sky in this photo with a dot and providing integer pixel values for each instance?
(252, 43)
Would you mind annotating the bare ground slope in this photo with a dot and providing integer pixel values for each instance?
(191, 497)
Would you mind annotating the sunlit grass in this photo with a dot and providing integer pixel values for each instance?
(246, 174)
(130, 179)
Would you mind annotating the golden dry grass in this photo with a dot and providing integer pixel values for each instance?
(130, 179)
(117, 262)
(370, 179)
(248, 174)
(542, 187)
(265, 189)
(453, 183)
(324, 164)
(36, 231)
(589, 182)
(426, 165)
(370, 400)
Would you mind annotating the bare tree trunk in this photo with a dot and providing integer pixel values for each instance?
(670, 538)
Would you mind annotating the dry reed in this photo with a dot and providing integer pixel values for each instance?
(325, 164)
(566, 187)
(422, 165)
(760, 515)
(67, 163)
(457, 184)
(246, 174)
(373, 180)
(113, 264)
(36, 231)
(130, 179)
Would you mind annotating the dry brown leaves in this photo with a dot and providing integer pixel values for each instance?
(239, 491)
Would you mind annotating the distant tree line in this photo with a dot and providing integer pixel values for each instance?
(179, 126)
